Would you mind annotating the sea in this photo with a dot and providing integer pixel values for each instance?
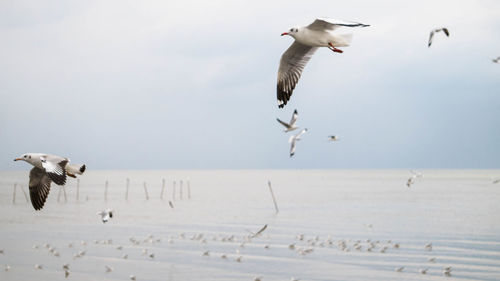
(225, 225)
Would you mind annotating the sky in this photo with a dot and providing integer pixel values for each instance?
(192, 85)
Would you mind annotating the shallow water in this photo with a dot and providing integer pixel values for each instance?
(456, 211)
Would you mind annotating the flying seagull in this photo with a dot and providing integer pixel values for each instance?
(444, 29)
(333, 138)
(293, 139)
(496, 60)
(47, 168)
(106, 215)
(308, 39)
(290, 126)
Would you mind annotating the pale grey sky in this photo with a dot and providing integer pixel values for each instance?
(192, 84)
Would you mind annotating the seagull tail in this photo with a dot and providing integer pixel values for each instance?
(75, 169)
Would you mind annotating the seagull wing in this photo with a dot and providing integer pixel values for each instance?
(39, 187)
(55, 167)
(292, 147)
(445, 30)
(430, 38)
(323, 24)
(260, 231)
(294, 118)
(297, 136)
(292, 63)
(283, 123)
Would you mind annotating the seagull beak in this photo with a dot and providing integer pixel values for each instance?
(284, 33)
(17, 159)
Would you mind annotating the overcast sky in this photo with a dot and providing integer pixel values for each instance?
(192, 84)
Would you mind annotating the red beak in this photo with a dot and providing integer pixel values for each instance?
(17, 159)
(284, 33)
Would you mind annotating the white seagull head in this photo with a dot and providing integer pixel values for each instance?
(292, 32)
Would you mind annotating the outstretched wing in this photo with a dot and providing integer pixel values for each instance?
(294, 118)
(55, 167)
(445, 30)
(292, 63)
(283, 123)
(331, 24)
(39, 187)
(430, 38)
(292, 147)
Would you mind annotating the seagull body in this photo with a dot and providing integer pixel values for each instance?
(293, 139)
(106, 215)
(290, 126)
(431, 36)
(496, 60)
(47, 168)
(320, 33)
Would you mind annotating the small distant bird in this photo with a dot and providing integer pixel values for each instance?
(428, 247)
(206, 253)
(152, 256)
(396, 246)
(259, 232)
(47, 168)
(108, 268)
(444, 29)
(431, 260)
(1, 251)
(125, 256)
(7, 267)
(238, 259)
(119, 248)
(294, 279)
(410, 181)
(132, 277)
(224, 256)
(266, 247)
(170, 204)
(106, 215)
(66, 273)
(38, 266)
(320, 33)
(496, 181)
(293, 139)
(399, 269)
(417, 174)
(258, 278)
(496, 60)
(290, 126)
(333, 138)
(291, 246)
(65, 266)
(423, 271)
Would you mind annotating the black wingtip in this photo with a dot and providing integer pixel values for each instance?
(82, 168)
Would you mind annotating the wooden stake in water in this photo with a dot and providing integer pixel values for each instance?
(59, 194)
(162, 188)
(126, 189)
(173, 192)
(189, 189)
(24, 192)
(180, 190)
(106, 191)
(77, 190)
(272, 195)
(146, 191)
(14, 194)
(64, 191)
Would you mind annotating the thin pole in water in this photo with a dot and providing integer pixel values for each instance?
(189, 189)
(126, 189)
(14, 194)
(173, 192)
(106, 191)
(146, 191)
(77, 190)
(59, 194)
(272, 195)
(24, 192)
(162, 188)
(180, 190)
(65, 197)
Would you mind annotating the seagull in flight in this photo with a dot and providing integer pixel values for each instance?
(444, 29)
(47, 168)
(106, 215)
(333, 138)
(290, 126)
(294, 139)
(320, 33)
(496, 60)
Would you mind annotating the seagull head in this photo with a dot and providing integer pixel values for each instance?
(291, 32)
(25, 157)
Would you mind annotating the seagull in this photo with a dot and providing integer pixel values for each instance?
(38, 266)
(47, 168)
(423, 271)
(417, 174)
(444, 29)
(308, 39)
(106, 215)
(496, 181)
(259, 232)
(132, 277)
(293, 139)
(7, 267)
(399, 269)
(411, 181)
(290, 126)
(496, 60)
(108, 268)
(333, 138)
